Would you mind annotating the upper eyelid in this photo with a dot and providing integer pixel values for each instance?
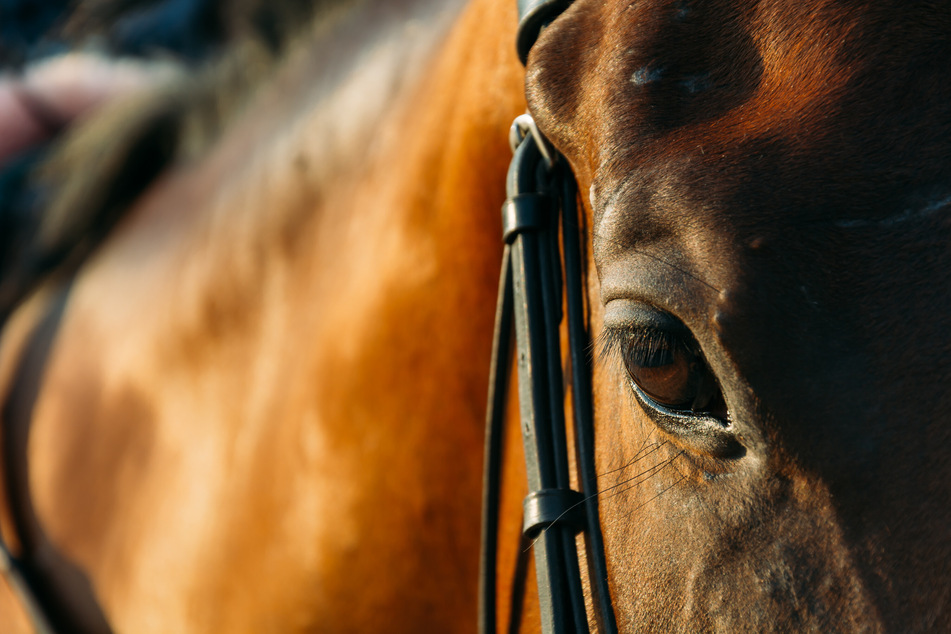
(631, 316)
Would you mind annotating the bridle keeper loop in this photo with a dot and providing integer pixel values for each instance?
(524, 212)
(550, 506)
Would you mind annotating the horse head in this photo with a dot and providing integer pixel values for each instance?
(767, 193)
(243, 388)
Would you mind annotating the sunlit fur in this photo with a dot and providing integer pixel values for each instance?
(264, 409)
(264, 406)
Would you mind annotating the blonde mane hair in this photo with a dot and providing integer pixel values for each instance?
(97, 169)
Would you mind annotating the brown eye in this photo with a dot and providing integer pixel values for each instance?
(669, 378)
(668, 383)
(670, 373)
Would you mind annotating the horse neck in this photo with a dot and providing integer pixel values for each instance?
(396, 116)
(327, 270)
(373, 160)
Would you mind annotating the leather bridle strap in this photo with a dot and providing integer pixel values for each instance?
(533, 15)
(45, 603)
(539, 185)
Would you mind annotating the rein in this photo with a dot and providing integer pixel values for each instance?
(541, 191)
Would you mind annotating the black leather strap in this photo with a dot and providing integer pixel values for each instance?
(533, 15)
(47, 608)
(494, 447)
(537, 307)
(579, 346)
(531, 291)
(530, 288)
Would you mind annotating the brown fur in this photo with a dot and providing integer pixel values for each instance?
(772, 174)
(264, 407)
(309, 489)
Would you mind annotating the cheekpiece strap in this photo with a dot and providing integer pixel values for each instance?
(532, 16)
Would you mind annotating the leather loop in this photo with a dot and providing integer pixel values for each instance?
(548, 506)
(523, 212)
(532, 16)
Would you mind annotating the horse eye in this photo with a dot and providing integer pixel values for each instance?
(669, 371)
(670, 378)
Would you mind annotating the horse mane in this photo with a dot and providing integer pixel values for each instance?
(98, 169)
(192, 28)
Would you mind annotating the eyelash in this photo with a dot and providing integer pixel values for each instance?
(645, 346)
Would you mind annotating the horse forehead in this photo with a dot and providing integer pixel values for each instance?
(748, 115)
(649, 66)
(669, 62)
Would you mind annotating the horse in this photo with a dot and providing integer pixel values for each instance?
(255, 370)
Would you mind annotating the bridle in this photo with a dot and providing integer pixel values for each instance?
(539, 186)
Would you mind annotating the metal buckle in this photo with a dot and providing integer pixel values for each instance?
(523, 126)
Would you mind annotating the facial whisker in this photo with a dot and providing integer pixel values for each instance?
(653, 450)
(642, 476)
(637, 457)
(643, 504)
(646, 474)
